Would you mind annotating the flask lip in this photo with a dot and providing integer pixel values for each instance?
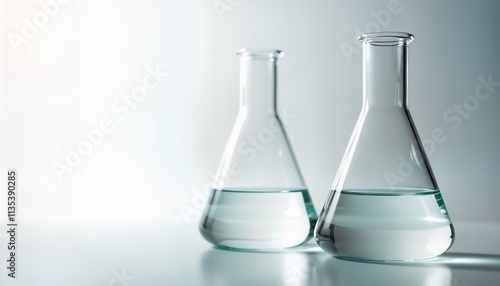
(386, 38)
(260, 53)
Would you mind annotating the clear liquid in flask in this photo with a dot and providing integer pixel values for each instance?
(258, 219)
(404, 224)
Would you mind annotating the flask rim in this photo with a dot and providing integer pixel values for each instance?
(388, 38)
(259, 53)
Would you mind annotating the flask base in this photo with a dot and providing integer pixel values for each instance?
(258, 219)
(386, 226)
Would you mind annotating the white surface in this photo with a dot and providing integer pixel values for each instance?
(160, 158)
(175, 254)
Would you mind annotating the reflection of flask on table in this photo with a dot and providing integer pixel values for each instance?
(259, 199)
(221, 267)
(342, 272)
(385, 203)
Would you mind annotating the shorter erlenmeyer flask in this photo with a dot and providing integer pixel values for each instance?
(259, 199)
(385, 203)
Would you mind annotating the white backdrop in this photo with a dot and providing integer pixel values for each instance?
(120, 110)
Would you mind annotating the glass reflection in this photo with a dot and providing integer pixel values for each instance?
(223, 267)
(342, 272)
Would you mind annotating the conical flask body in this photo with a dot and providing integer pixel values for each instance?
(259, 200)
(385, 203)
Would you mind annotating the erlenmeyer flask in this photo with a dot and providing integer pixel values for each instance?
(259, 199)
(385, 203)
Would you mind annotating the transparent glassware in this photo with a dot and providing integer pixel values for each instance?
(259, 200)
(385, 204)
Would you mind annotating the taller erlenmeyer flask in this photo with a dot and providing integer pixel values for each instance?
(259, 199)
(385, 203)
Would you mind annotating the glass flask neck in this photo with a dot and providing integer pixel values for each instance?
(258, 81)
(385, 63)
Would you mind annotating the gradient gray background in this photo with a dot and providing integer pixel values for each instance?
(455, 42)
(160, 158)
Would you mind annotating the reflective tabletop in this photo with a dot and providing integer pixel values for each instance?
(157, 253)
